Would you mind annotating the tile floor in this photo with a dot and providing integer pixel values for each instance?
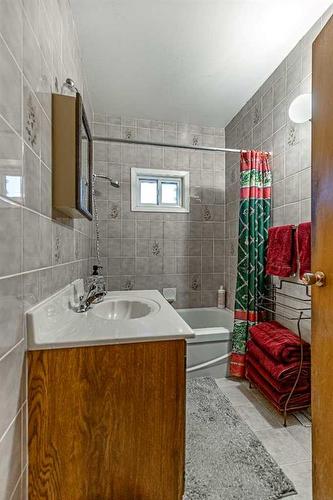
(290, 446)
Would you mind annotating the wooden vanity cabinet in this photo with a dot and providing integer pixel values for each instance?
(107, 422)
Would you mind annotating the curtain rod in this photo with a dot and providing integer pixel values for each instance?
(166, 145)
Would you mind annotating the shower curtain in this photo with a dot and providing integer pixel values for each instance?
(254, 221)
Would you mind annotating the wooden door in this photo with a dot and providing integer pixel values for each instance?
(322, 260)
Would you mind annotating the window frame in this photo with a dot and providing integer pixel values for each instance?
(181, 177)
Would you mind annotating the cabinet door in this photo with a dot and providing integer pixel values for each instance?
(107, 422)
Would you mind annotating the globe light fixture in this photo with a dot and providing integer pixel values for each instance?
(300, 110)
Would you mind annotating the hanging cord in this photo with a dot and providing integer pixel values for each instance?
(98, 253)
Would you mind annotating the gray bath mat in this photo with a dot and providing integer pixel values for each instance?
(224, 458)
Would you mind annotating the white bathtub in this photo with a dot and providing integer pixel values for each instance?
(212, 341)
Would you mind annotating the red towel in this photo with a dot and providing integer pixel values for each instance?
(304, 247)
(298, 399)
(279, 342)
(281, 251)
(282, 387)
(281, 372)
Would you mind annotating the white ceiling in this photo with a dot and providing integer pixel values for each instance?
(195, 61)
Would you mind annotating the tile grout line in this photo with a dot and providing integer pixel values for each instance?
(24, 207)
(12, 349)
(18, 482)
(22, 273)
(12, 422)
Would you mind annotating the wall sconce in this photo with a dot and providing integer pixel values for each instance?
(300, 110)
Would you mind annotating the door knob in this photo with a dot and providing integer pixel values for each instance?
(318, 278)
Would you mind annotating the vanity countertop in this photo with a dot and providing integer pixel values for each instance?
(54, 323)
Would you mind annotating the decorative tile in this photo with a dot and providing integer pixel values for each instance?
(128, 284)
(206, 213)
(57, 246)
(292, 137)
(156, 249)
(114, 212)
(32, 122)
(195, 282)
(129, 133)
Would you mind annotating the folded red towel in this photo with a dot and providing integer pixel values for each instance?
(280, 372)
(279, 342)
(304, 247)
(281, 251)
(280, 386)
(298, 400)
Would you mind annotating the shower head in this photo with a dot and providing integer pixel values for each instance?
(113, 183)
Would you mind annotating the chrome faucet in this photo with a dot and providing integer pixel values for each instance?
(95, 294)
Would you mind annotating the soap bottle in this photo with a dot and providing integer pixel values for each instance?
(97, 279)
(221, 298)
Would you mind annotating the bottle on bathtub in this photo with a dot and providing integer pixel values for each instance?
(221, 298)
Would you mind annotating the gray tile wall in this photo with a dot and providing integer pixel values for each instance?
(152, 250)
(38, 254)
(263, 123)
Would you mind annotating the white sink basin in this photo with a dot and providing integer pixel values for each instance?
(123, 317)
(117, 308)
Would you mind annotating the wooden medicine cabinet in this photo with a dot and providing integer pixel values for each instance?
(72, 157)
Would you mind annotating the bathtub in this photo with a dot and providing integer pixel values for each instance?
(212, 341)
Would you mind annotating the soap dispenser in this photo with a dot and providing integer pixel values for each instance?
(97, 279)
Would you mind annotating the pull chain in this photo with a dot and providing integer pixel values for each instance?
(98, 255)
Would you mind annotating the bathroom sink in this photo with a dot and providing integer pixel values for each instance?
(123, 317)
(125, 308)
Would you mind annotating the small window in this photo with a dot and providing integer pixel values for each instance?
(159, 190)
(148, 191)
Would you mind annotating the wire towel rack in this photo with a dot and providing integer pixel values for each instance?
(274, 304)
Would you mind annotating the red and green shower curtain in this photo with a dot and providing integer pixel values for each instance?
(254, 221)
